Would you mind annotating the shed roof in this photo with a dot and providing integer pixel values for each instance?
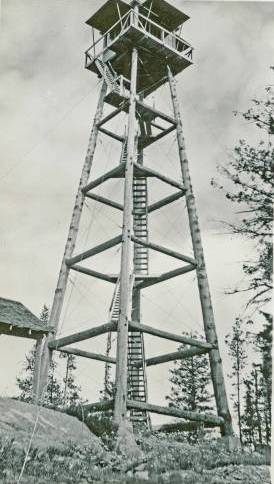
(17, 320)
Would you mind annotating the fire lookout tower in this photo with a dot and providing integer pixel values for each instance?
(139, 48)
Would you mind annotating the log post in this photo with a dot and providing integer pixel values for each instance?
(70, 245)
(126, 282)
(205, 298)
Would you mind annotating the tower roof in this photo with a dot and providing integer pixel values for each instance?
(160, 11)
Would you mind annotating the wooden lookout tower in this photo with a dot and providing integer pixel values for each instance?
(138, 47)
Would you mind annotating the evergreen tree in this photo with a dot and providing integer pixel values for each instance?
(237, 349)
(72, 391)
(249, 185)
(25, 381)
(264, 346)
(190, 379)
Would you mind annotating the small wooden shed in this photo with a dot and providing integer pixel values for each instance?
(17, 320)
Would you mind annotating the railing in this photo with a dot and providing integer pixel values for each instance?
(170, 39)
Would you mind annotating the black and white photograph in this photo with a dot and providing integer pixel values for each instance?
(136, 215)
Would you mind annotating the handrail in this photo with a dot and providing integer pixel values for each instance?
(108, 31)
(131, 14)
(163, 29)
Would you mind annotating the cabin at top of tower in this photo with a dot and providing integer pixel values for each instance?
(153, 27)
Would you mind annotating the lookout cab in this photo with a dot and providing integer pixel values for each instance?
(155, 29)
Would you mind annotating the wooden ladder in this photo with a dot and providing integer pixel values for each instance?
(137, 388)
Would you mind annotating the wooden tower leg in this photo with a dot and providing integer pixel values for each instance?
(207, 310)
(126, 278)
(70, 245)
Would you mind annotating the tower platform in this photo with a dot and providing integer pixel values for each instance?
(158, 42)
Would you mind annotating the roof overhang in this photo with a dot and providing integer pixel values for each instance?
(108, 15)
(164, 13)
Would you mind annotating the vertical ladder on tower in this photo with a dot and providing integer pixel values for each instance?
(136, 353)
(114, 312)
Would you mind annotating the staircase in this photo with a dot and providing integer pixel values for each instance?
(136, 353)
(108, 74)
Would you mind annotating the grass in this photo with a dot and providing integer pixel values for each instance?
(166, 459)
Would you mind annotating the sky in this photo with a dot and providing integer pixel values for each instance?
(48, 101)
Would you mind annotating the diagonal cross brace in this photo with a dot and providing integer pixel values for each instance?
(94, 251)
(144, 328)
(164, 250)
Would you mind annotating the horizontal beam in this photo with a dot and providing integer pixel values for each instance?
(98, 406)
(143, 328)
(177, 355)
(112, 135)
(144, 170)
(112, 114)
(165, 201)
(94, 251)
(163, 250)
(96, 274)
(104, 200)
(157, 137)
(156, 114)
(82, 335)
(87, 354)
(175, 412)
(183, 426)
(165, 276)
(114, 173)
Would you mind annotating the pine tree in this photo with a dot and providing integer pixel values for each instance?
(249, 419)
(190, 380)
(72, 391)
(25, 381)
(249, 186)
(264, 346)
(237, 349)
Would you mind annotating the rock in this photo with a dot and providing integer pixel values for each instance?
(53, 428)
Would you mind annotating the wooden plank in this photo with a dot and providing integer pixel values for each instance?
(145, 171)
(106, 201)
(177, 355)
(205, 297)
(165, 276)
(96, 274)
(144, 328)
(176, 412)
(81, 335)
(126, 271)
(111, 134)
(87, 354)
(165, 201)
(114, 173)
(94, 251)
(164, 250)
